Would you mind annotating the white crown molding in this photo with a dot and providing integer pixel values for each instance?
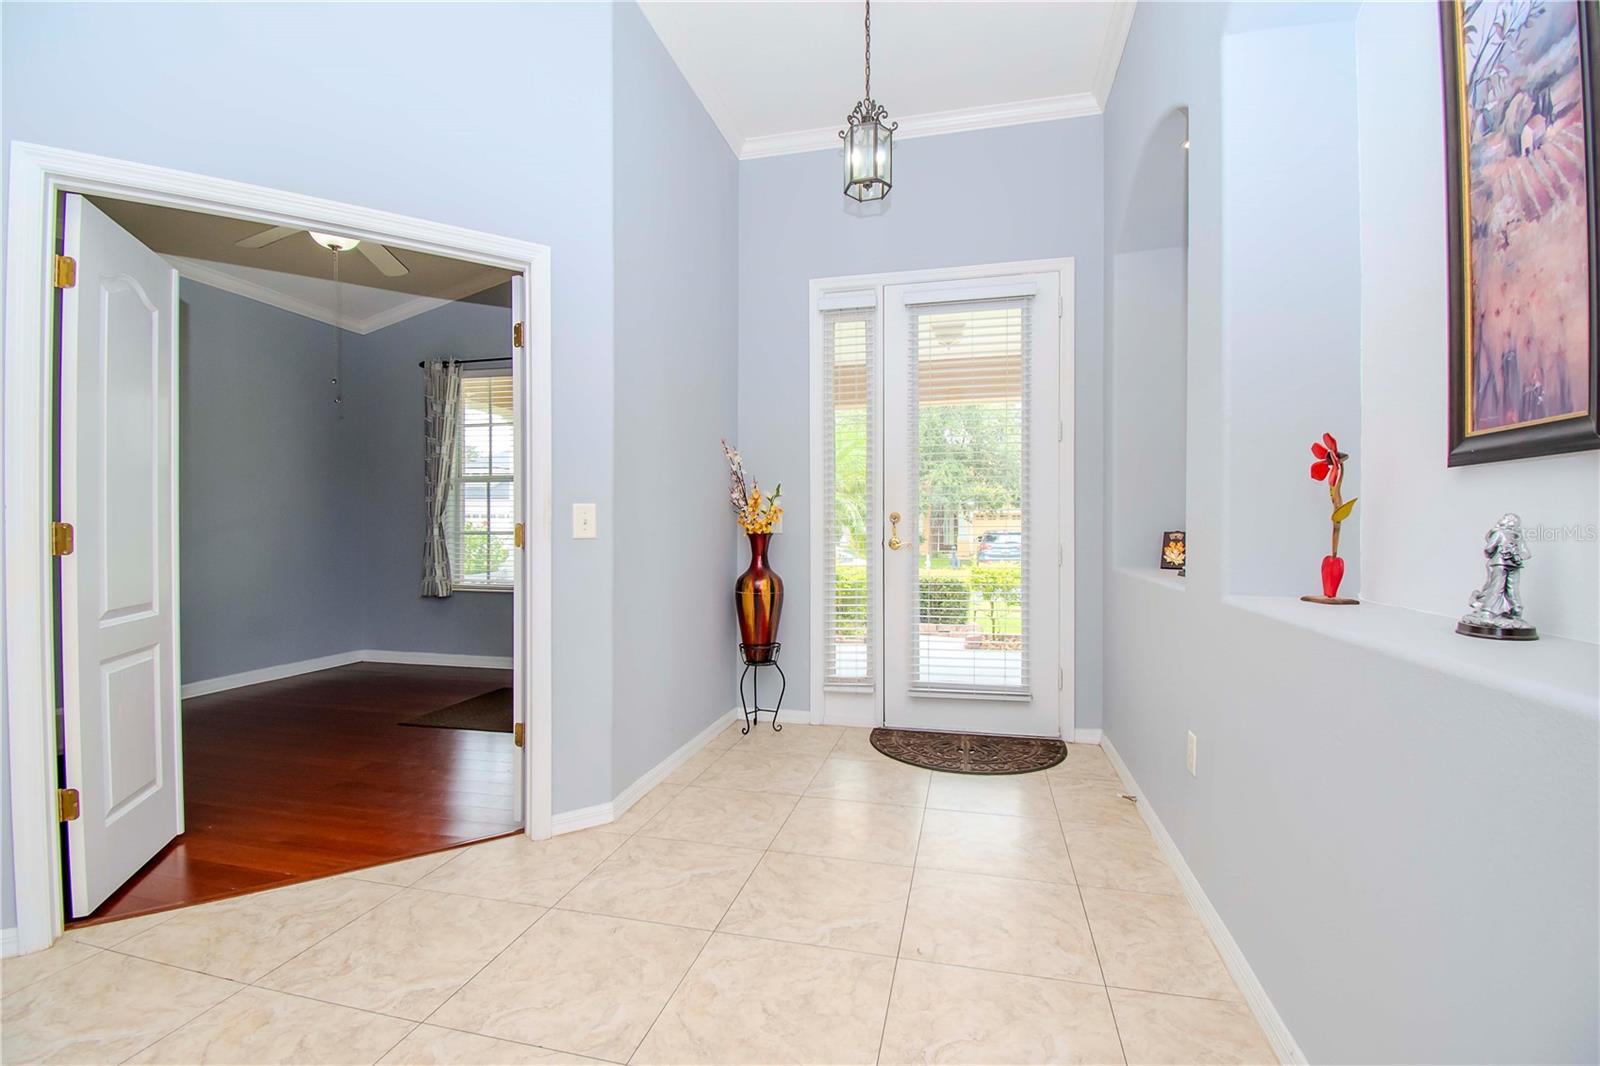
(1105, 75)
(934, 123)
(209, 274)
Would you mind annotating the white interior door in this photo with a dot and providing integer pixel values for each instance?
(119, 602)
(517, 345)
(971, 445)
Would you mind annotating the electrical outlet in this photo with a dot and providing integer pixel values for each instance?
(1190, 755)
(583, 521)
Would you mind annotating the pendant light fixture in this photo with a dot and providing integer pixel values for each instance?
(868, 141)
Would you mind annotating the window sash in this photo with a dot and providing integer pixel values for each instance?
(849, 497)
(481, 517)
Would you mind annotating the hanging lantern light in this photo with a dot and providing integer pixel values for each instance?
(868, 141)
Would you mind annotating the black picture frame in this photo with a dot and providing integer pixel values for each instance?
(1174, 536)
(1572, 434)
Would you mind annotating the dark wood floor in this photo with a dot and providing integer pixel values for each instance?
(313, 775)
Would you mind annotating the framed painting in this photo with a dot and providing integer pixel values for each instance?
(1523, 159)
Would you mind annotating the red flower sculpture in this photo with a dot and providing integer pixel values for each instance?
(1329, 467)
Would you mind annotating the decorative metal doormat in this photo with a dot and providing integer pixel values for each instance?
(969, 753)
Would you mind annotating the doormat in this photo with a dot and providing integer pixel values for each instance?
(969, 753)
(490, 713)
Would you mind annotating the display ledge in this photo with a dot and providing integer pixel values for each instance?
(1167, 579)
(1552, 670)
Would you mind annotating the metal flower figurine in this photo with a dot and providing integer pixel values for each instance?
(1329, 467)
(1497, 606)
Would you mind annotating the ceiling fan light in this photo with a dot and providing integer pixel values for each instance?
(333, 242)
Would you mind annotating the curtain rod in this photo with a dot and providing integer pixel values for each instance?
(492, 359)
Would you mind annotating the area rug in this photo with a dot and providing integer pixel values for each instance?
(969, 753)
(490, 713)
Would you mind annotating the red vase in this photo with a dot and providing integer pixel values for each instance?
(1332, 574)
(758, 601)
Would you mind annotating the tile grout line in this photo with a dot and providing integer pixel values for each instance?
(713, 932)
(899, 949)
(187, 1021)
(1084, 908)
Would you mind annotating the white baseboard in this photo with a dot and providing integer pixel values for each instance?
(344, 658)
(8, 942)
(436, 658)
(1271, 1022)
(602, 813)
(268, 673)
(1086, 736)
(582, 818)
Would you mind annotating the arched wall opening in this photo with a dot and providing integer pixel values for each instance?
(1149, 360)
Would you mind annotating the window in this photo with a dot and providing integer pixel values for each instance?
(848, 359)
(482, 514)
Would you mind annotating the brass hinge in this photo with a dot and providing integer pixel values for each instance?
(66, 272)
(60, 538)
(67, 804)
(516, 335)
(518, 735)
(519, 536)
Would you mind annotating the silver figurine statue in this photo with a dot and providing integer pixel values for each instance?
(1497, 606)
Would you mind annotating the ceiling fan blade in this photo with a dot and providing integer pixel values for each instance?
(383, 259)
(267, 236)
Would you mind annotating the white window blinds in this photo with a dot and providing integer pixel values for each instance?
(969, 415)
(849, 496)
(481, 518)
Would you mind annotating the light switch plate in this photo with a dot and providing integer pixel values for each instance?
(584, 522)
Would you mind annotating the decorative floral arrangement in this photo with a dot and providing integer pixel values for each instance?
(756, 513)
(1329, 467)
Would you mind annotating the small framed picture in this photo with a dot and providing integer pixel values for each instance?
(1172, 550)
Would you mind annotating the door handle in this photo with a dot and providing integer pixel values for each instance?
(895, 543)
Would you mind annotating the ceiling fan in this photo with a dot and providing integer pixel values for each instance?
(375, 253)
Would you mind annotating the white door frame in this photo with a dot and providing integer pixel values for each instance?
(38, 175)
(854, 283)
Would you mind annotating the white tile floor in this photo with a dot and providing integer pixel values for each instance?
(783, 898)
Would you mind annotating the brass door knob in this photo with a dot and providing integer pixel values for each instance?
(895, 543)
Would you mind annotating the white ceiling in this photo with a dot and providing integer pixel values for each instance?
(779, 77)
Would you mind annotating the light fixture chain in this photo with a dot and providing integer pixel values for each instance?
(869, 49)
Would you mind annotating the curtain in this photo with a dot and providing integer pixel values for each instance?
(441, 447)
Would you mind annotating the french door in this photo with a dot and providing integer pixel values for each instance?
(941, 536)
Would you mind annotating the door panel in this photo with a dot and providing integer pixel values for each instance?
(119, 587)
(970, 428)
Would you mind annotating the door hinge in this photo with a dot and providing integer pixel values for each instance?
(516, 335)
(1061, 306)
(1061, 678)
(66, 272)
(1061, 555)
(519, 535)
(519, 734)
(67, 804)
(61, 538)
(1061, 432)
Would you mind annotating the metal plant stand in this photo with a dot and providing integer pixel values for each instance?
(756, 656)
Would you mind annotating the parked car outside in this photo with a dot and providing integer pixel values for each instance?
(1003, 546)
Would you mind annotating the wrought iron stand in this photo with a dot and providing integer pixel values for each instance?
(756, 656)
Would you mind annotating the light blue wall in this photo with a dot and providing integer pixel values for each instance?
(270, 557)
(992, 196)
(302, 522)
(383, 397)
(676, 225)
(469, 137)
(1405, 850)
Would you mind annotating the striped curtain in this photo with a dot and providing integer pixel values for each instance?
(442, 438)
